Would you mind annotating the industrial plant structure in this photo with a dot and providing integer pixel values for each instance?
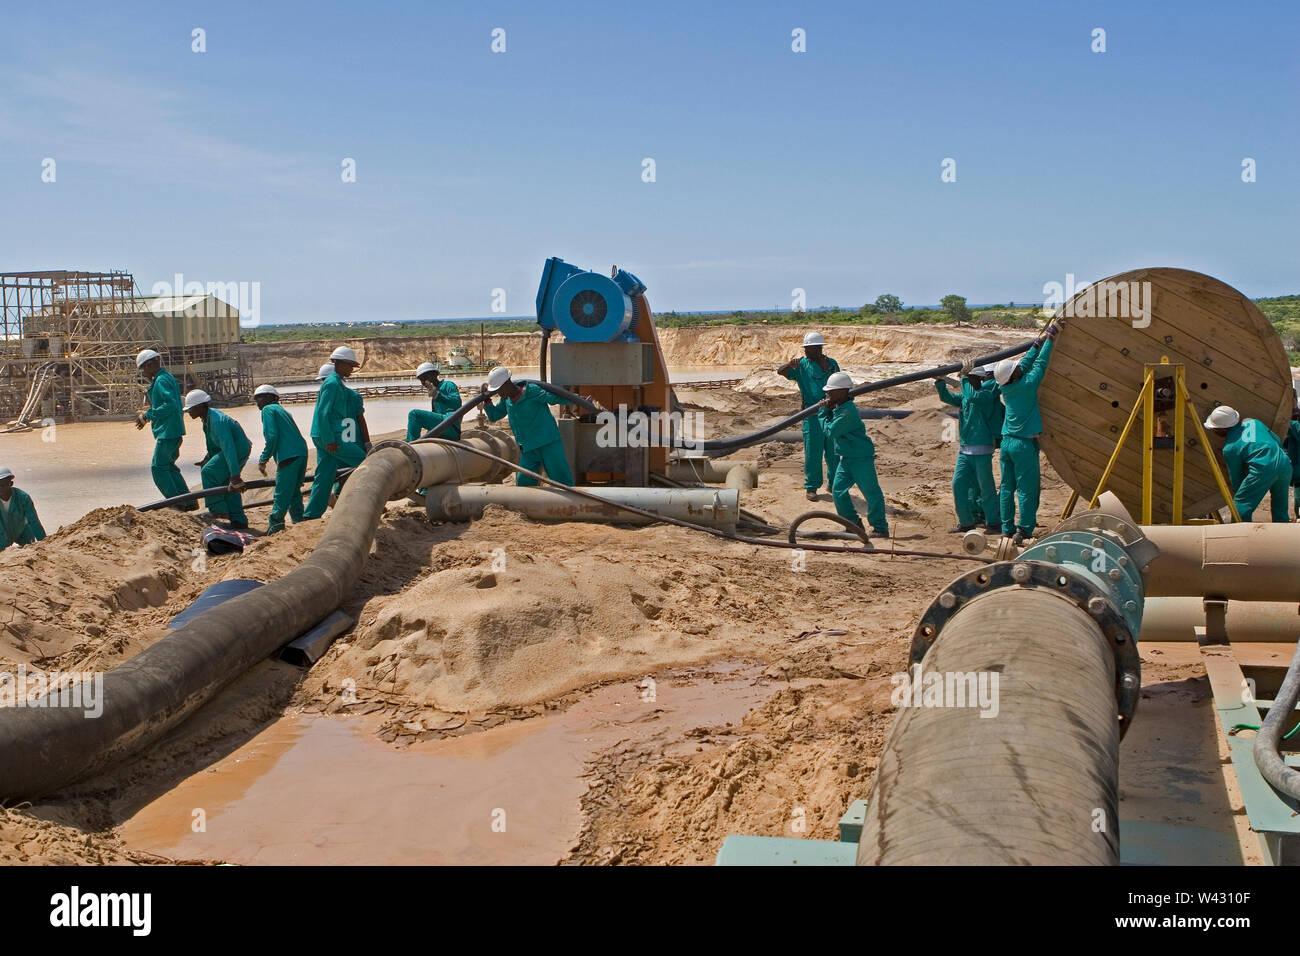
(68, 342)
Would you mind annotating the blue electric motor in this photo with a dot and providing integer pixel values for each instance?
(587, 306)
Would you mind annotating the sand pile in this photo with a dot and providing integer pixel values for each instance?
(511, 613)
(790, 769)
(83, 592)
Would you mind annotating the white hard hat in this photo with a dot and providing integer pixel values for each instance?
(986, 369)
(196, 397)
(344, 354)
(1223, 416)
(5, 473)
(267, 390)
(838, 380)
(424, 369)
(813, 338)
(1003, 371)
(325, 372)
(147, 355)
(497, 377)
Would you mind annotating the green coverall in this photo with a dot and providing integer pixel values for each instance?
(445, 401)
(1021, 426)
(168, 426)
(857, 466)
(536, 432)
(228, 448)
(1257, 465)
(972, 479)
(337, 416)
(18, 522)
(285, 444)
(811, 379)
(1292, 445)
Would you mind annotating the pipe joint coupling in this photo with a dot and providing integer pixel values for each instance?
(1069, 583)
(417, 469)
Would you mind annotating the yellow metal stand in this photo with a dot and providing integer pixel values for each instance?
(1146, 406)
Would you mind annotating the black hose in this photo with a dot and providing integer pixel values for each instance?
(1280, 714)
(455, 416)
(546, 335)
(478, 399)
(226, 490)
(717, 446)
(715, 532)
(856, 529)
(44, 748)
(573, 397)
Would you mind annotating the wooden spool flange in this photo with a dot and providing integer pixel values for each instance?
(1232, 356)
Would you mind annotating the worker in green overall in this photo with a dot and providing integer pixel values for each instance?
(446, 399)
(1257, 463)
(527, 407)
(1021, 426)
(980, 417)
(284, 443)
(18, 522)
(1292, 445)
(338, 430)
(164, 417)
(810, 374)
(228, 451)
(843, 428)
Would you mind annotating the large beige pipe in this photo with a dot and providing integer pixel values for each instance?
(1024, 780)
(742, 475)
(1237, 562)
(1245, 561)
(1176, 619)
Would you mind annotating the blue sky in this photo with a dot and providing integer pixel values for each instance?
(775, 170)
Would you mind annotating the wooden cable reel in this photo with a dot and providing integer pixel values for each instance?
(1231, 354)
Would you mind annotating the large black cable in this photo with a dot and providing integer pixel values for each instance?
(455, 416)
(1268, 759)
(719, 446)
(715, 532)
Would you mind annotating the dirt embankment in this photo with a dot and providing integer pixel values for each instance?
(717, 345)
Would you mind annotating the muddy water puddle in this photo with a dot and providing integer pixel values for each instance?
(325, 790)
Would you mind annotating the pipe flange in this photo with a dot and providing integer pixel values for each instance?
(1060, 580)
(501, 445)
(1141, 549)
(417, 469)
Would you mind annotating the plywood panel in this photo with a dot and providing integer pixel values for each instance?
(1230, 351)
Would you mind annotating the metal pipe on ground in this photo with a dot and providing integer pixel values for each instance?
(1243, 561)
(1176, 619)
(711, 507)
(742, 475)
(1025, 786)
(45, 748)
(1237, 562)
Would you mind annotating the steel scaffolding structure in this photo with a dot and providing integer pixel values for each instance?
(70, 340)
(83, 329)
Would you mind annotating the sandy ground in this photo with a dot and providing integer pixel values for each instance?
(509, 654)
